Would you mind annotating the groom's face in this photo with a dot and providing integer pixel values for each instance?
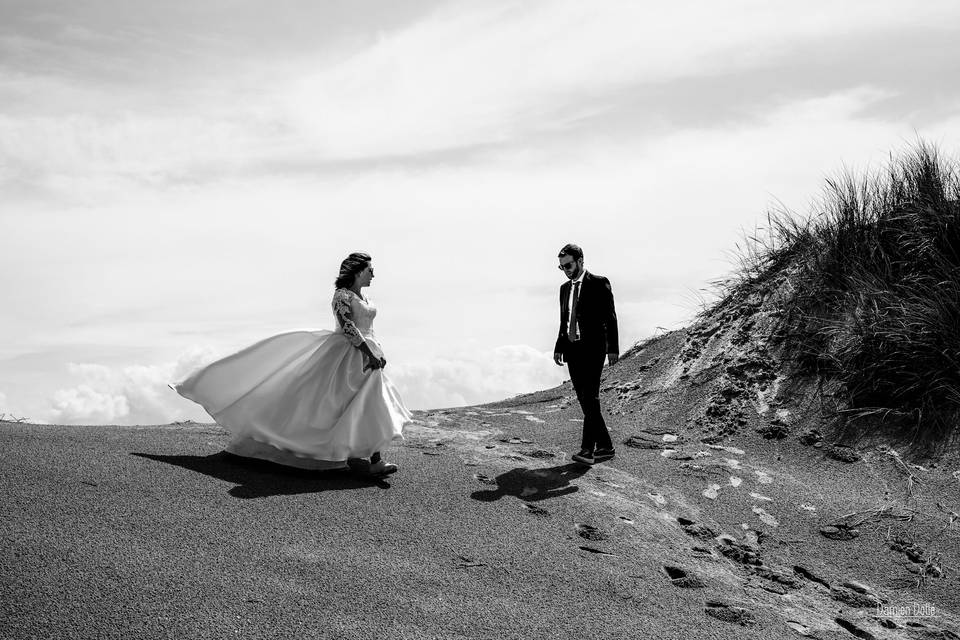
(570, 267)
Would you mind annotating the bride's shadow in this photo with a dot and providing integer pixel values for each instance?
(261, 479)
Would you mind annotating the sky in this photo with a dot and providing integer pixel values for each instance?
(181, 179)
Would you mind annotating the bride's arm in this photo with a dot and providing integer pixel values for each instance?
(344, 315)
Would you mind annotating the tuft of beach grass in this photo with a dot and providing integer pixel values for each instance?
(869, 288)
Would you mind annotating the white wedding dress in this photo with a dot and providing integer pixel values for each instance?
(305, 398)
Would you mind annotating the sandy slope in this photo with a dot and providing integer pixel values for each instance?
(154, 532)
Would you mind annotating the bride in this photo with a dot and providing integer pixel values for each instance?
(310, 399)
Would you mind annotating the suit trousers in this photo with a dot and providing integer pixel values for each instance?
(585, 363)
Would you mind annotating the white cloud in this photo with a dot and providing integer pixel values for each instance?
(480, 74)
(144, 149)
(468, 378)
(84, 404)
(139, 394)
(134, 394)
(468, 74)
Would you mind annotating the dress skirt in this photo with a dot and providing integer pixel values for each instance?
(301, 399)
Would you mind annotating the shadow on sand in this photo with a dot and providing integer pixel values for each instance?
(531, 485)
(261, 479)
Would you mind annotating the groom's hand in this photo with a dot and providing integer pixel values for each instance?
(613, 358)
(558, 357)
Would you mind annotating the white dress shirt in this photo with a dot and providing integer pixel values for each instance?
(577, 280)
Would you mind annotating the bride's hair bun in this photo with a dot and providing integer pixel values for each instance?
(350, 267)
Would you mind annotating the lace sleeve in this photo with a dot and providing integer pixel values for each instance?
(344, 315)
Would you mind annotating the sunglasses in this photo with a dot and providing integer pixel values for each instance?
(567, 267)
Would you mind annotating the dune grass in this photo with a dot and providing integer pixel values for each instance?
(870, 285)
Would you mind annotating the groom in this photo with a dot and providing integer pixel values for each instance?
(588, 335)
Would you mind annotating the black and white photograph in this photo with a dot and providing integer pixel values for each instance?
(479, 319)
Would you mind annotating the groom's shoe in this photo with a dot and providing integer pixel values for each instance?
(602, 455)
(381, 468)
(584, 457)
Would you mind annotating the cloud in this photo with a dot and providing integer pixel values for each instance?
(488, 74)
(85, 404)
(463, 77)
(468, 378)
(136, 394)
(150, 150)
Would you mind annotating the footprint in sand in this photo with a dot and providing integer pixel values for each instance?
(711, 491)
(533, 418)
(484, 479)
(750, 535)
(669, 437)
(733, 450)
(730, 613)
(535, 510)
(765, 517)
(589, 532)
(609, 483)
(757, 496)
(539, 453)
(597, 551)
(733, 463)
(735, 481)
(802, 629)
(657, 498)
(763, 477)
(807, 507)
(681, 578)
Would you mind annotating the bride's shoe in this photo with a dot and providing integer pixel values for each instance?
(382, 468)
(358, 465)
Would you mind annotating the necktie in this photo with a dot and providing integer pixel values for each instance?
(574, 332)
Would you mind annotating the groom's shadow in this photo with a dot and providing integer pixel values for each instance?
(261, 479)
(531, 485)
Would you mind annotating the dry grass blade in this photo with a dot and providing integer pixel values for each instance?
(911, 478)
(952, 514)
(904, 514)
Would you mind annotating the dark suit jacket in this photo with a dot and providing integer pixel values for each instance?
(596, 315)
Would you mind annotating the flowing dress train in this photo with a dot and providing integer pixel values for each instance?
(305, 399)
